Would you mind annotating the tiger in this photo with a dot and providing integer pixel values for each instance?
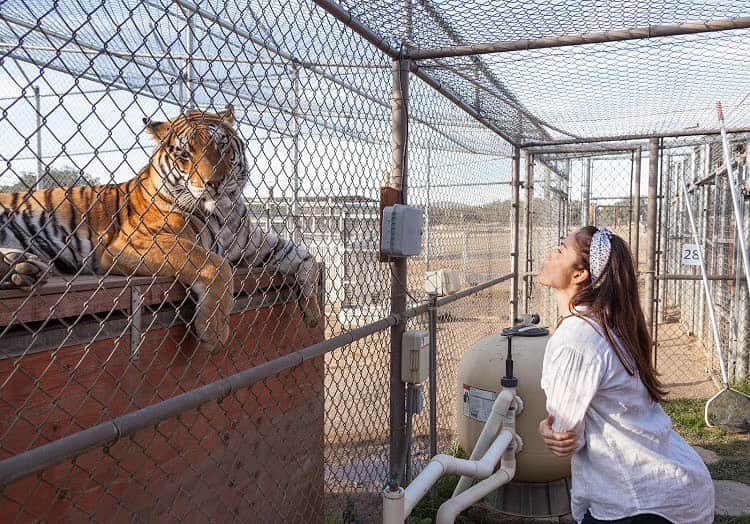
(182, 216)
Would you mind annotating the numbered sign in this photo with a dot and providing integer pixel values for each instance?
(689, 255)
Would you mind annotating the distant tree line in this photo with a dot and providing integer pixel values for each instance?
(500, 211)
(55, 177)
(452, 212)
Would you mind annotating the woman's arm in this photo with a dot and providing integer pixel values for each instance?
(570, 378)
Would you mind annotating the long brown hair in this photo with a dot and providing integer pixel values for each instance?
(615, 305)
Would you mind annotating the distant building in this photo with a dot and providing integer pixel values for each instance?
(343, 233)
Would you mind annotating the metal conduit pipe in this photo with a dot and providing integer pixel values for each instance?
(399, 182)
(615, 35)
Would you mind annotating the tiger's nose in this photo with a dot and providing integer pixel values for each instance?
(213, 184)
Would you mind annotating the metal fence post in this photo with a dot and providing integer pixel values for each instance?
(637, 210)
(515, 244)
(653, 179)
(658, 235)
(696, 291)
(702, 197)
(665, 227)
(529, 234)
(741, 369)
(586, 196)
(399, 156)
(432, 328)
(39, 164)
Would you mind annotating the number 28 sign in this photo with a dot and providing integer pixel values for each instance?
(689, 255)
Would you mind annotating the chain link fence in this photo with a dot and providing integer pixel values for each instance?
(685, 345)
(606, 188)
(567, 190)
(195, 323)
(462, 182)
(235, 433)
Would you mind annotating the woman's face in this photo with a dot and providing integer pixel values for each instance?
(559, 267)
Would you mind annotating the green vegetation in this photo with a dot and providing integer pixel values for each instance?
(55, 177)
(733, 448)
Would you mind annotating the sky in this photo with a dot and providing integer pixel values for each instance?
(344, 133)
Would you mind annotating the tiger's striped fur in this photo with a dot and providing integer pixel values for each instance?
(182, 216)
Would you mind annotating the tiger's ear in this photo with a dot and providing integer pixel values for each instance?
(228, 114)
(158, 130)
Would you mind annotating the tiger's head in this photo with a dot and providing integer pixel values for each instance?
(199, 159)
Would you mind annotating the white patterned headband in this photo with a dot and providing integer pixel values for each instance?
(599, 253)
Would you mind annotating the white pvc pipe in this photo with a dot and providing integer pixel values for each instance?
(446, 465)
(393, 506)
(490, 429)
(450, 510)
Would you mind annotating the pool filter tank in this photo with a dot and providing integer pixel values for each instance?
(541, 486)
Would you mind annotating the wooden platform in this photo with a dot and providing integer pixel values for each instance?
(90, 307)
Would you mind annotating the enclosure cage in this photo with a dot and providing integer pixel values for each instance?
(508, 124)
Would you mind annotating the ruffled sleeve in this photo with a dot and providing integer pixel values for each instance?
(570, 378)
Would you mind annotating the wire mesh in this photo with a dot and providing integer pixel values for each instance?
(310, 112)
(547, 88)
(310, 118)
(250, 226)
(686, 347)
(547, 222)
(448, 23)
(679, 78)
(602, 191)
(570, 190)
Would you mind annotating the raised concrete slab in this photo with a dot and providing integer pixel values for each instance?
(708, 456)
(732, 498)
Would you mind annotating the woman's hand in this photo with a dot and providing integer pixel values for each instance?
(561, 444)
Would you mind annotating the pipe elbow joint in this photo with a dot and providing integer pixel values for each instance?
(448, 512)
(483, 469)
(504, 401)
(446, 461)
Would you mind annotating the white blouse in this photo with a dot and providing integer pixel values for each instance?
(629, 460)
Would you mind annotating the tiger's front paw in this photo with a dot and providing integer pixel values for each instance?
(21, 270)
(212, 324)
(311, 313)
(213, 336)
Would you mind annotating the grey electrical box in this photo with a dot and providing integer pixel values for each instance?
(402, 231)
(415, 356)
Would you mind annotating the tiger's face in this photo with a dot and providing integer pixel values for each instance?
(200, 159)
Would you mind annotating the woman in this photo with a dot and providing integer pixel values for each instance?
(603, 394)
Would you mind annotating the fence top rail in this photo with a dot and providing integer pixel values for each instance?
(638, 33)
